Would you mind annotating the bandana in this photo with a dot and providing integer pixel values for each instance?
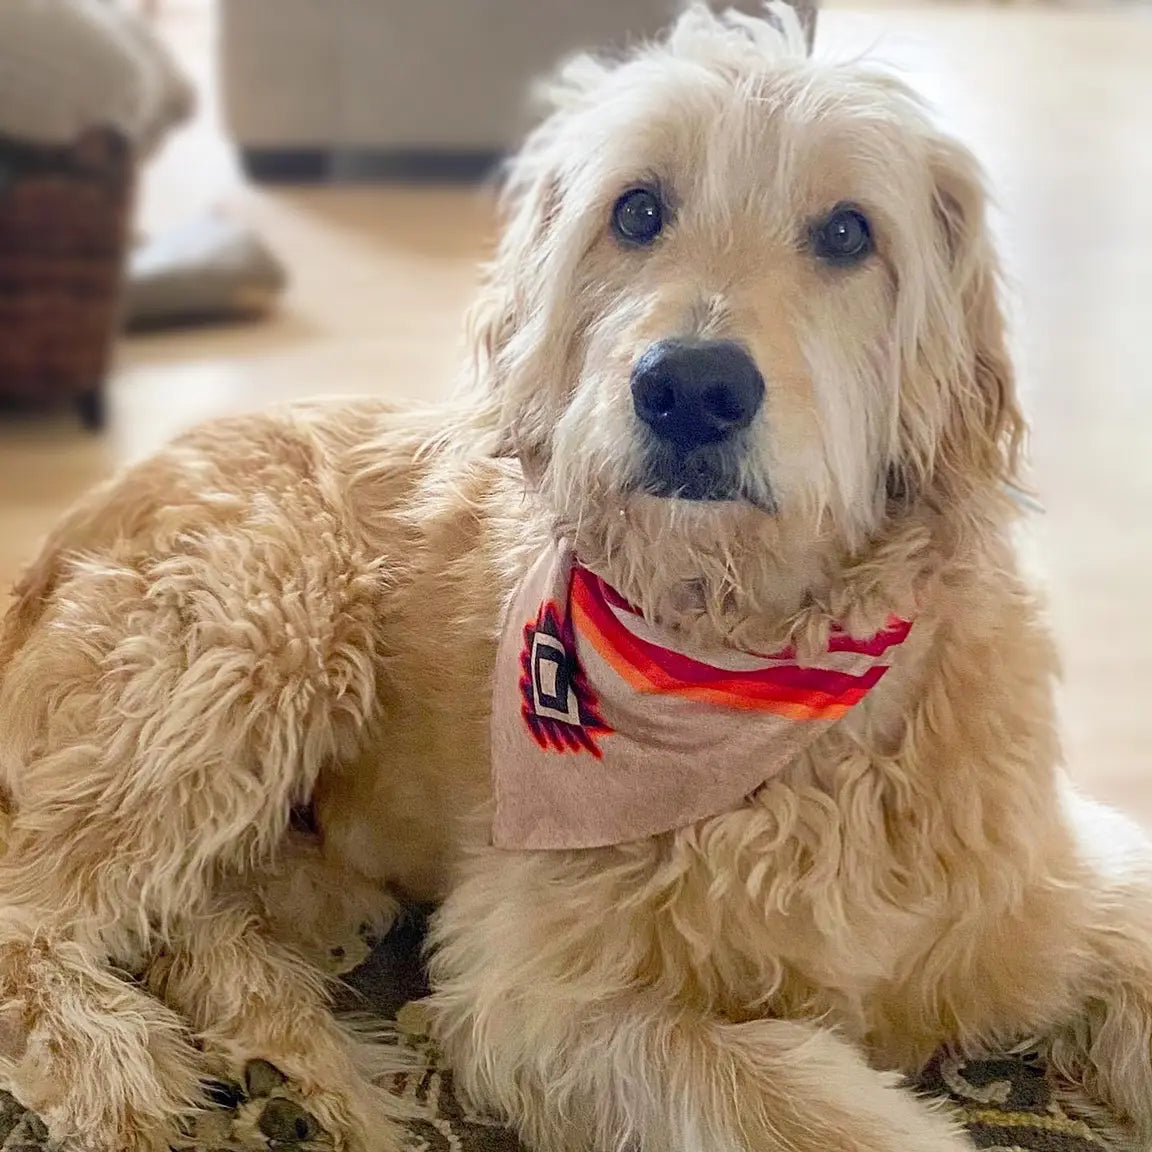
(606, 729)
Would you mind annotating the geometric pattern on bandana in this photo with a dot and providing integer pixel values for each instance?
(607, 729)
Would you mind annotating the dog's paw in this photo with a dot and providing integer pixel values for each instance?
(287, 1122)
(340, 944)
(261, 1111)
(274, 1111)
(346, 955)
(261, 1079)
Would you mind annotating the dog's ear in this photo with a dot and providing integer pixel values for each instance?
(519, 344)
(962, 425)
(503, 323)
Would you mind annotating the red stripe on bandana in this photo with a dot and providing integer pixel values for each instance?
(792, 690)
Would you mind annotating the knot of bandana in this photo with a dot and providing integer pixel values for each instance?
(606, 729)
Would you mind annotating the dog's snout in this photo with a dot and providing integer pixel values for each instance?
(692, 393)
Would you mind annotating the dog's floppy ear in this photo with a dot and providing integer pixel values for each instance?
(505, 307)
(962, 425)
(515, 352)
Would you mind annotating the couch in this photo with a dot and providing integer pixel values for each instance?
(312, 88)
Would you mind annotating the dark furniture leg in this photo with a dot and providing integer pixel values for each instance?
(93, 409)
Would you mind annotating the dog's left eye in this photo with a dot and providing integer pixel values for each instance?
(844, 236)
(638, 216)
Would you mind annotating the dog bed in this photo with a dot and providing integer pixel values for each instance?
(1008, 1105)
(210, 269)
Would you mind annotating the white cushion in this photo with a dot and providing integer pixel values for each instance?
(70, 65)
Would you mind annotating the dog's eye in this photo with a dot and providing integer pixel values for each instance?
(844, 236)
(638, 216)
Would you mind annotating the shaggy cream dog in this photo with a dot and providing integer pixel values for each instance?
(741, 348)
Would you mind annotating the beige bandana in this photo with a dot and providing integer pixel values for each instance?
(606, 729)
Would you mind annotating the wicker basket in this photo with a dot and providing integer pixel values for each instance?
(64, 227)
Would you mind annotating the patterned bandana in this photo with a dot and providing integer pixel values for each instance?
(606, 729)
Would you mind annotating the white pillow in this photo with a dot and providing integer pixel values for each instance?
(212, 268)
(70, 65)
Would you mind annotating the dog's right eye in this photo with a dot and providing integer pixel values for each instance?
(843, 237)
(638, 216)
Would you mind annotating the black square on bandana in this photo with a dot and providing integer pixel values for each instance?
(552, 679)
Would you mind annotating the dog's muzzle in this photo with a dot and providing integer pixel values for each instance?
(696, 398)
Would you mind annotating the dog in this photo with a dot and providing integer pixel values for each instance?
(740, 391)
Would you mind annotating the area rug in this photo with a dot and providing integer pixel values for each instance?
(1007, 1104)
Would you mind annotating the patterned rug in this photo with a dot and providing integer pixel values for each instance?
(1007, 1105)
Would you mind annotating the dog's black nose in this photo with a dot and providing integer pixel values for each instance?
(692, 393)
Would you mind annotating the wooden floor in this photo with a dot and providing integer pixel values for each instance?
(1056, 102)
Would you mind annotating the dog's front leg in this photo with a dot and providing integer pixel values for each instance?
(320, 908)
(1107, 1044)
(106, 1067)
(580, 1055)
(624, 1074)
(252, 999)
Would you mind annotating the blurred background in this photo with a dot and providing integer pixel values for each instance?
(212, 205)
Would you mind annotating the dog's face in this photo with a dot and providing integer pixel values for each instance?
(744, 308)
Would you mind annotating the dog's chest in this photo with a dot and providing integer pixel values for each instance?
(810, 882)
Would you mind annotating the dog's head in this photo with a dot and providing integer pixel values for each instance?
(743, 314)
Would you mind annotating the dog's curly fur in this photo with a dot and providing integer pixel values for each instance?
(302, 607)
